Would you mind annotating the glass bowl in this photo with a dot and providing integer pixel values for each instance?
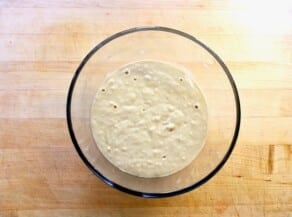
(166, 45)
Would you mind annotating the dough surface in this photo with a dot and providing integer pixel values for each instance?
(149, 119)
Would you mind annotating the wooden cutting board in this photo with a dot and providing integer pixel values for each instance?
(42, 43)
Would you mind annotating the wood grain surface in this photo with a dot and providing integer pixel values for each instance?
(42, 43)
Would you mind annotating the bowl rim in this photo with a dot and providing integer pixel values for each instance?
(122, 188)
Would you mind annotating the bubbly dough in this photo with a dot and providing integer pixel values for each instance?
(149, 119)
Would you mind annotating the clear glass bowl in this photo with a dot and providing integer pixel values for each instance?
(167, 45)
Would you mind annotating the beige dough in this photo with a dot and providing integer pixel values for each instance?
(149, 119)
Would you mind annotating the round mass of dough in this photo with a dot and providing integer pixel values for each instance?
(149, 119)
